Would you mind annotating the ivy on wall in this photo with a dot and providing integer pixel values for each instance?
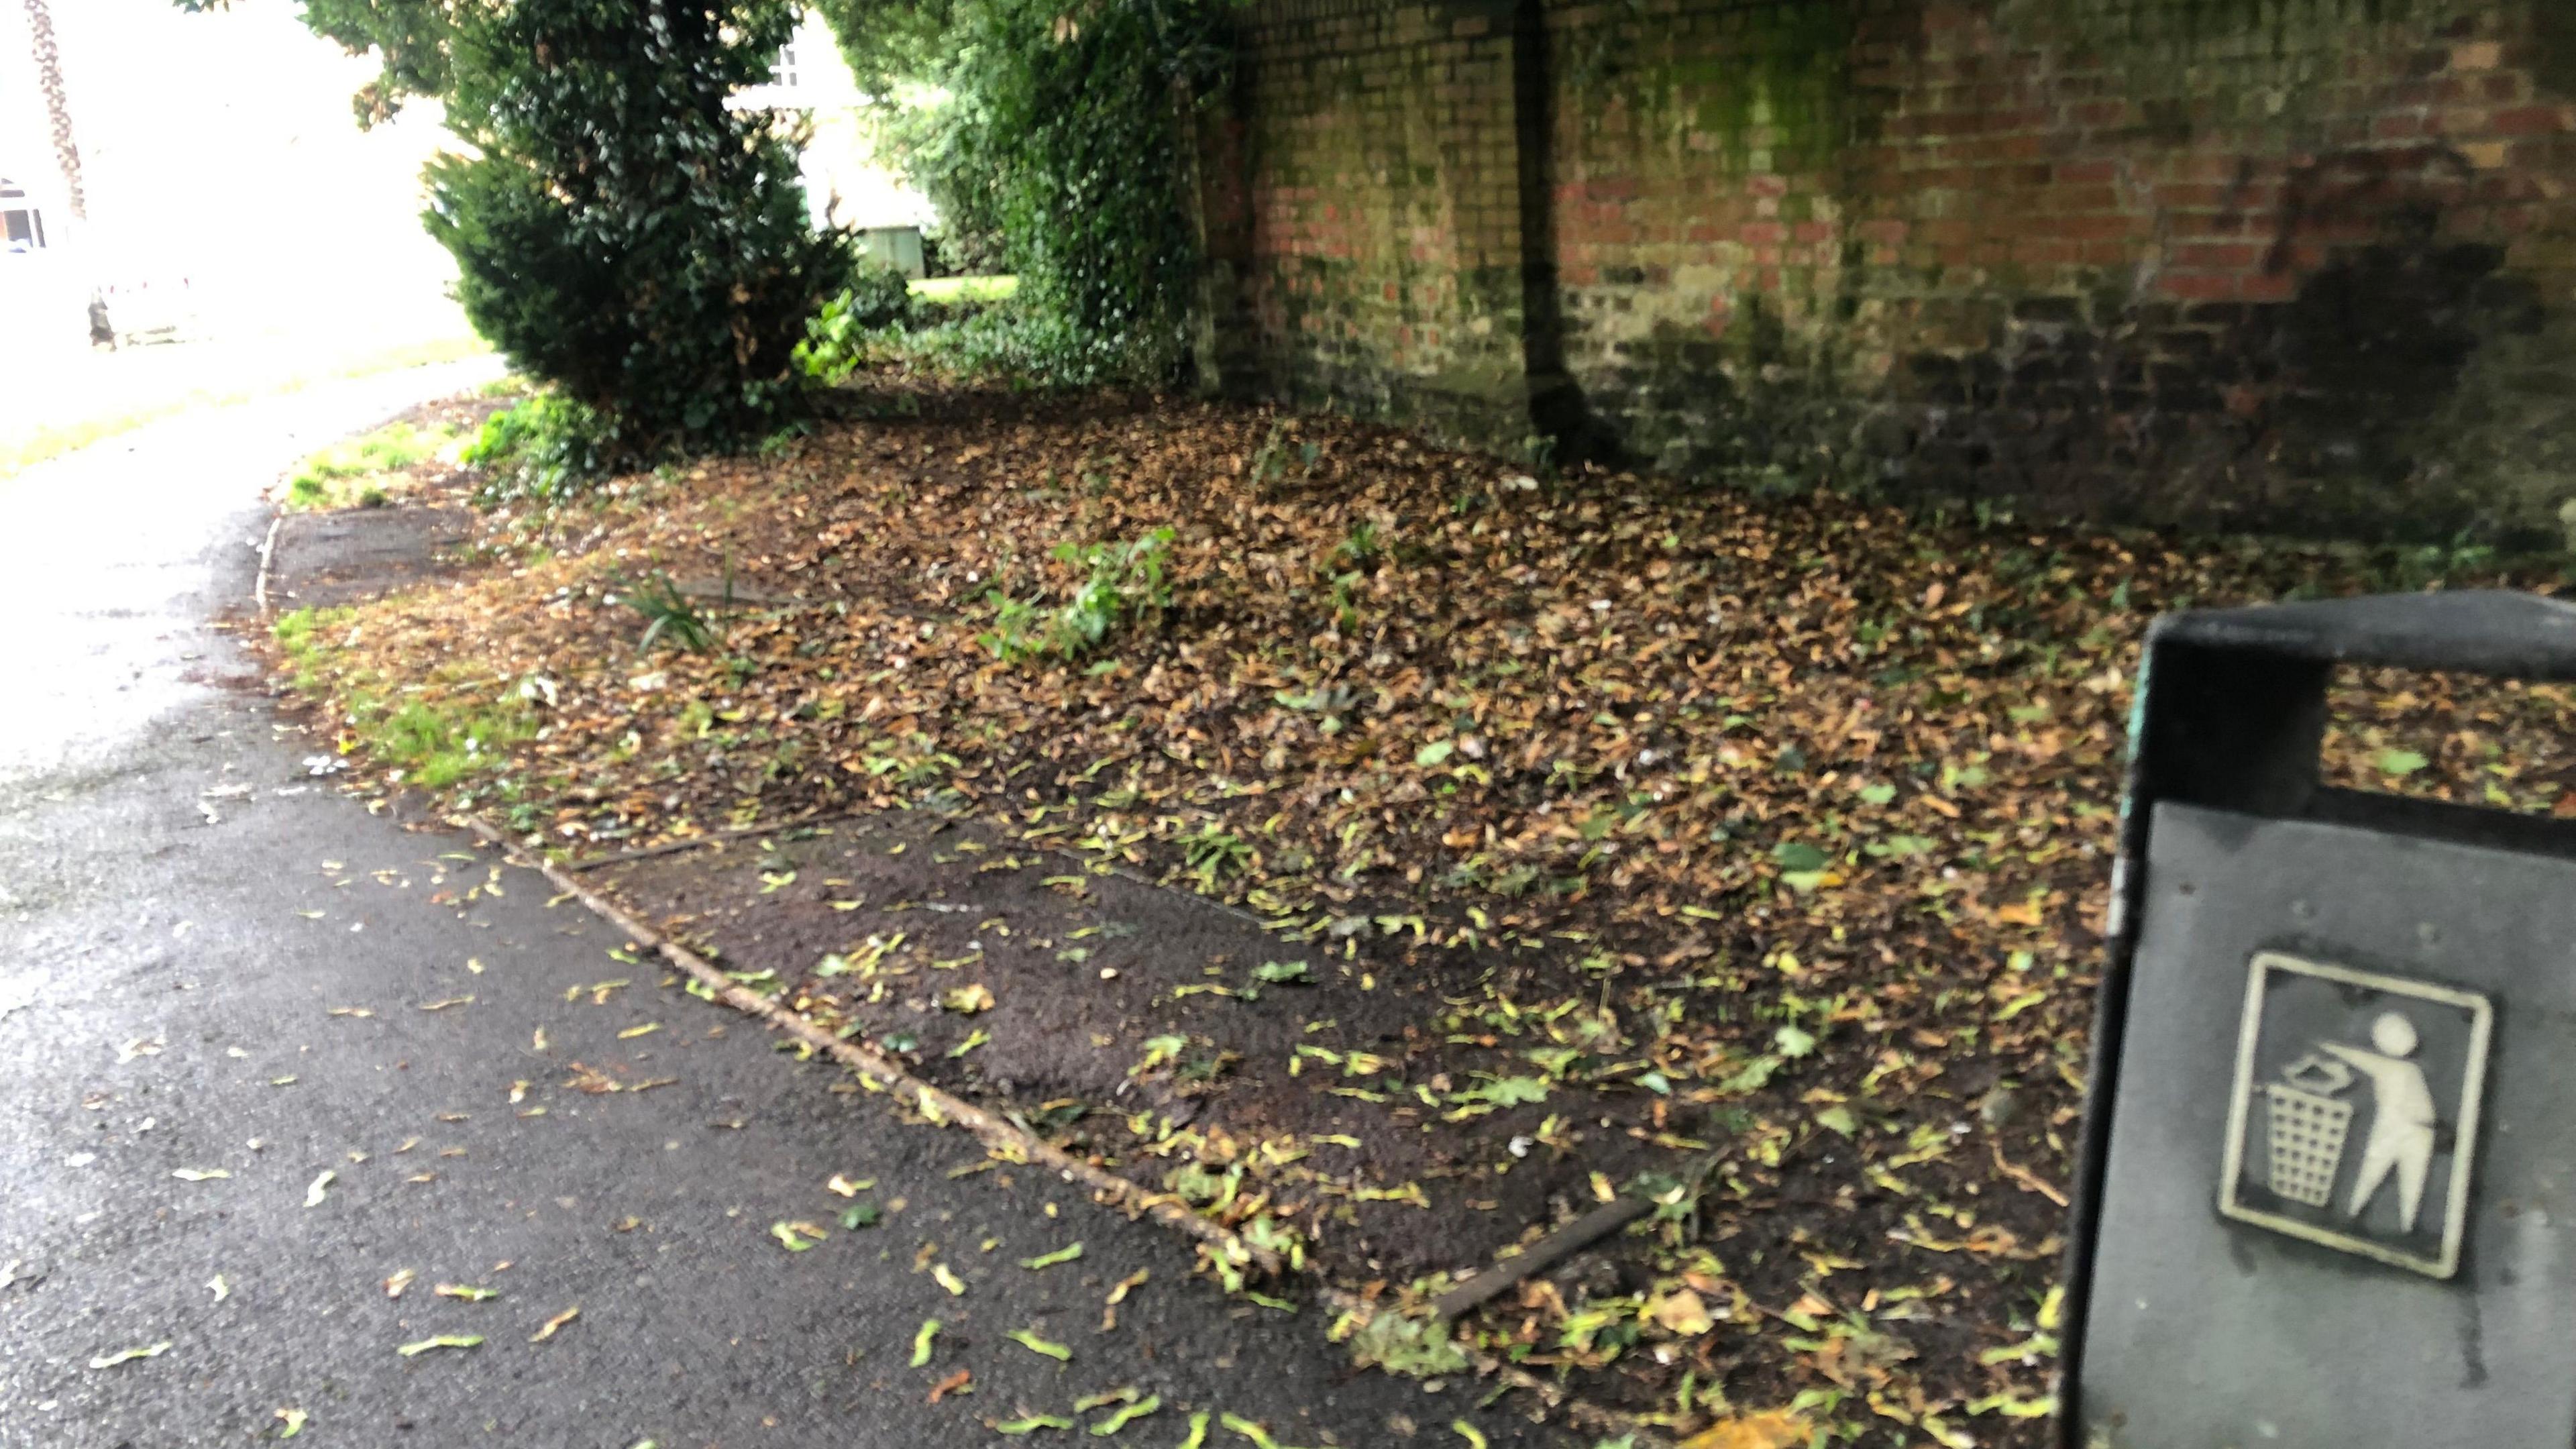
(1060, 131)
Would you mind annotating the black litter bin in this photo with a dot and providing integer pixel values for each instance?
(2328, 1187)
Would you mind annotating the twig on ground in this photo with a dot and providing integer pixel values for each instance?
(1545, 1253)
(2027, 1178)
(712, 837)
(996, 1133)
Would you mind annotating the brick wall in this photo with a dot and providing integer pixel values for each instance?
(2284, 263)
(1370, 211)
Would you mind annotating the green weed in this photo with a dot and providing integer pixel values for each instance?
(352, 473)
(437, 733)
(668, 614)
(1120, 581)
(1214, 854)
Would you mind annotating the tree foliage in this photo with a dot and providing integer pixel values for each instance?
(1062, 130)
(620, 234)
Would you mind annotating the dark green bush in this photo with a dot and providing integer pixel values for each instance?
(621, 235)
(879, 297)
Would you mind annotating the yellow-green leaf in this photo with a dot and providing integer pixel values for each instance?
(1029, 1340)
(1150, 1404)
(444, 1340)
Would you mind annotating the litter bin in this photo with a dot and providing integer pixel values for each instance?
(2327, 1192)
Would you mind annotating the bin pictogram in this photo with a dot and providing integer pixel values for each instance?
(2308, 1128)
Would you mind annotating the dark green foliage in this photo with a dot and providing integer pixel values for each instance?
(544, 449)
(669, 616)
(879, 297)
(1062, 130)
(1119, 582)
(621, 235)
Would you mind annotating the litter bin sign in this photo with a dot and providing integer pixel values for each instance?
(2328, 1190)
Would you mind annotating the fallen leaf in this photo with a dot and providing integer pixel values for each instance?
(1259, 1436)
(444, 1340)
(1048, 1260)
(1771, 1429)
(1029, 1340)
(1121, 1418)
(1680, 1312)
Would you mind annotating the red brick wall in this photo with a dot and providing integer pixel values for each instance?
(1376, 217)
(2296, 263)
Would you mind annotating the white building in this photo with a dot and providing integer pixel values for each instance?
(845, 183)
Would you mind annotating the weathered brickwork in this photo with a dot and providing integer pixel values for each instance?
(2302, 263)
(1379, 218)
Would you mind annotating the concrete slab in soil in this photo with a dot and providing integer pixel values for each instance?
(325, 559)
(174, 941)
(1084, 968)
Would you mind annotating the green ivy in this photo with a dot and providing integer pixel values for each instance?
(1062, 131)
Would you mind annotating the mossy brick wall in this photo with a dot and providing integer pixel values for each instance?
(1368, 211)
(2278, 263)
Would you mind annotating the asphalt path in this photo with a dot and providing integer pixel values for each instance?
(265, 1055)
